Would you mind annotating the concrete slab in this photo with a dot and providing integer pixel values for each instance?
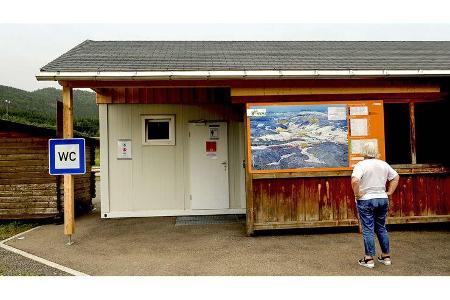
(155, 246)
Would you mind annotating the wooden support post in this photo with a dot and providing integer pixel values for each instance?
(69, 214)
(248, 183)
(412, 134)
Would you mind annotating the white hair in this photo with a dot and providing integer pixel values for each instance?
(370, 150)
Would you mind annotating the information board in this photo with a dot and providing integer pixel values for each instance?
(309, 136)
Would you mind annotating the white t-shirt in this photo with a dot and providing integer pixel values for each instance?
(373, 174)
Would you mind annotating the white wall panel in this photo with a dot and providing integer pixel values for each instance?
(157, 176)
(120, 171)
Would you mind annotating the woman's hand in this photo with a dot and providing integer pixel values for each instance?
(389, 194)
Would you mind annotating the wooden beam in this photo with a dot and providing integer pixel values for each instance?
(257, 83)
(387, 98)
(68, 112)
(132, 95)
(333, 90)
(102, 91)
(407, 169)
(349, 222)
(69, 212)
(412, 135)
(250, 212)
(103, 97)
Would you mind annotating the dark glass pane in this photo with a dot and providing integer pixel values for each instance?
(397, 132)
(158, 130)
(432, 131)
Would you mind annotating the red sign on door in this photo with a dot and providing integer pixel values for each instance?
(211, 146)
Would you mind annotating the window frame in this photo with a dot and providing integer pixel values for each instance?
(412, 123)
(160, 142)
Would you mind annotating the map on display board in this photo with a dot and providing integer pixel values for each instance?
(298, 136)
(312, 136)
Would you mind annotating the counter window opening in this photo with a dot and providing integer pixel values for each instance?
(397, 133)
(414, 132)
(158, 130)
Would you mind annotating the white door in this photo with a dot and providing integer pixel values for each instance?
(208, 165)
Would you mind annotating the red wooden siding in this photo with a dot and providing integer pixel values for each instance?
(165, 96)
(329, 201)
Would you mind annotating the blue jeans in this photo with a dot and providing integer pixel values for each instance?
(372, 215)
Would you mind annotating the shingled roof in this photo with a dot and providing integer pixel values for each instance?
(125, 56)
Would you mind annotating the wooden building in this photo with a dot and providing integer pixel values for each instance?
(270, 129)
(27, 191)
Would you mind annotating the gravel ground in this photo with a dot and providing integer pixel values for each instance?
(155, 246)
(12, 264)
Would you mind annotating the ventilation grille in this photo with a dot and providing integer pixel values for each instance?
(206, 220)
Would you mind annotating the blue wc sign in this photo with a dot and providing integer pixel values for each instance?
(66, 156)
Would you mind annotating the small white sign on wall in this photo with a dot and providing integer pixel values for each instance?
(213, 132)
(337, 113)
(124, 149)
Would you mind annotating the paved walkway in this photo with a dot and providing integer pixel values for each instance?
(155, 246)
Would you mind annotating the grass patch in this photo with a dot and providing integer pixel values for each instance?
(8, 229)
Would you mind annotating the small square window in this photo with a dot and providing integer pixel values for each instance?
(158, 130)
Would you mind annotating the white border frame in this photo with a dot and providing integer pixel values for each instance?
(170, 141)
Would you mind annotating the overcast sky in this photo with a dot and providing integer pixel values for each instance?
(24, 48)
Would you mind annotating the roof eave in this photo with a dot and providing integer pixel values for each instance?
(257, 74)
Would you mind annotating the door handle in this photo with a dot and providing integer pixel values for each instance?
(224, 163)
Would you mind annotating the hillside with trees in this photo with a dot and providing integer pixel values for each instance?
(39, 108)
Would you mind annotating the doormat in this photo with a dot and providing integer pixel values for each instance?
(206, 220)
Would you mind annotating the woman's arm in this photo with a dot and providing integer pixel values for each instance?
(355, 187)
(392, 185)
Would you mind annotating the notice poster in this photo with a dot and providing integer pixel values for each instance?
(358, 127)
(359, 111)
(337, 113)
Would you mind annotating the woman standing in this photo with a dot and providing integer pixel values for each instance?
(369, 179)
